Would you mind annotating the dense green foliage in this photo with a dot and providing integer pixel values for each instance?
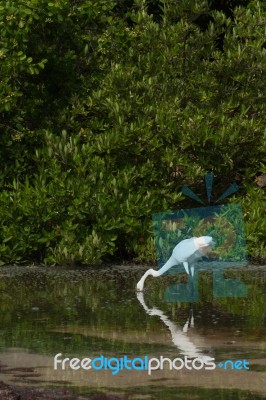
(107, 110)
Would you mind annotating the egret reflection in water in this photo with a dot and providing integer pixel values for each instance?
(180, 339)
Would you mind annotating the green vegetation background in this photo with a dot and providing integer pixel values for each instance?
(108, 108)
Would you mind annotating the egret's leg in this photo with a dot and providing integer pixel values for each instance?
(192, 268)
(192, 321)
(185, 263)
(185, 327)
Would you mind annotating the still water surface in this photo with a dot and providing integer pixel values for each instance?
(93, 312)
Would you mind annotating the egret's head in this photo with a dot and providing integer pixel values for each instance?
(204, 244)
(208, 241)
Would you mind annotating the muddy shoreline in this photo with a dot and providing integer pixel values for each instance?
(12, 392)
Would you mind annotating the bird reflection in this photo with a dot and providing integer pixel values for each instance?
(179, 336)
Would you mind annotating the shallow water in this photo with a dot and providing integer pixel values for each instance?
(93, 312)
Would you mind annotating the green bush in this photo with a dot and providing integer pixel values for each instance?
(106, 114)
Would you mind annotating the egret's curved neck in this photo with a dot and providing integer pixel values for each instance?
(140, 283)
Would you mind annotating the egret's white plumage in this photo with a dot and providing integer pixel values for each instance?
(185, 252)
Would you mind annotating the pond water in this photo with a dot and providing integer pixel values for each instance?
(88, 313)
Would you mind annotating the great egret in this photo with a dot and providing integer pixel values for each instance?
(186, 252)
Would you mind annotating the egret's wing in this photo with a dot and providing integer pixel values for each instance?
(184, 250)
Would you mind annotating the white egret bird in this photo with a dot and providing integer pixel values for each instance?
(186, 252)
